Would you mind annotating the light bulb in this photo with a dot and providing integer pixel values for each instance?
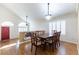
(48, 17)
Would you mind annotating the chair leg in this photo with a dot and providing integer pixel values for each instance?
(59, 43)
(35, 50)
(56, 44)
(31, 48)
(53, 47)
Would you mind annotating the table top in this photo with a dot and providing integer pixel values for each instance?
(46, 35)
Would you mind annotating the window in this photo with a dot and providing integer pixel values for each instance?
(57, 25)
(22, 27)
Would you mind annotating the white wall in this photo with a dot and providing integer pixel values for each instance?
(7, 15)
(78, 30)
(71, 27)
(38, 24)
(13, 32)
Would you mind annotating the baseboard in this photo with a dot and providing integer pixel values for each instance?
(70, 41)
(11, 39)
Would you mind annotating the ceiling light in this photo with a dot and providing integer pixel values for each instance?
(27, 21)
(27, 24)
(48, 17)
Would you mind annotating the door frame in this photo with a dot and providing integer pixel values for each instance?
(2, 34)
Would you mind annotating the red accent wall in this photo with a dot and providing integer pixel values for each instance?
(5, 33)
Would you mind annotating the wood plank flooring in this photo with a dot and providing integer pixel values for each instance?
(14, 48)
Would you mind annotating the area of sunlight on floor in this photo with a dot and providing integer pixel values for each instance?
(13, 44)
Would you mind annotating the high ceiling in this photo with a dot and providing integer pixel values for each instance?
(35, 10)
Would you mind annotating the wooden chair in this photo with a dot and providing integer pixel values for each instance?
(40, 32)
(57, 41)
(37, 33)
(52, 41)
(35, 42)
(58, 38)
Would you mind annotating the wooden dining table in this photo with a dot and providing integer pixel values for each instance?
(46, 35)
(45, 38)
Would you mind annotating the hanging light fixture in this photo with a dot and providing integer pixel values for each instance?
(26, 21)
(49, 15)
(27, 24)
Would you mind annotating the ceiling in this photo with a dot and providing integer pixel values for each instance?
(35, 10)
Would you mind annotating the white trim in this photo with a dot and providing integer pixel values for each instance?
(70, 41)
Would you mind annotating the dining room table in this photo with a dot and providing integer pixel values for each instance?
(45, 38)
(46, 35)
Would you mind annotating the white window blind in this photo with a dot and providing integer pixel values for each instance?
(58, 25)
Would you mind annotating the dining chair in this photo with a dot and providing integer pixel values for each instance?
(35, 42)
(57, 41)
(52, 41)
(58, 38)
(37, 33)
(41, 32)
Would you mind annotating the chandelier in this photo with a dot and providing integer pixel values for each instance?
(27, 24)
(48, 16)
(26, 21)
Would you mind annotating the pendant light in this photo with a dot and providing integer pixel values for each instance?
(26, 21)
(48, 16)
(27, 24)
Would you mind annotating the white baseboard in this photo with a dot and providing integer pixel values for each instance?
(11, 38)
(70, 41)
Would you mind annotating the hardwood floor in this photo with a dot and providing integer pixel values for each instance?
(14, 48)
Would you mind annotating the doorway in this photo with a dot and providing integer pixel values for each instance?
(5, 33)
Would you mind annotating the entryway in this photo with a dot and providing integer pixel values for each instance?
(5, 33)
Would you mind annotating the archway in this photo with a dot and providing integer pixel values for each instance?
(6, 30)
(22, 27)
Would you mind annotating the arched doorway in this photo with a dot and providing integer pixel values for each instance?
(22, 27)
(5, 30)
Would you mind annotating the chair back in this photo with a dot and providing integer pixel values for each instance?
(40, 33)
(34, 38)
(58, 35)
(27, 34)
(55, 36)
